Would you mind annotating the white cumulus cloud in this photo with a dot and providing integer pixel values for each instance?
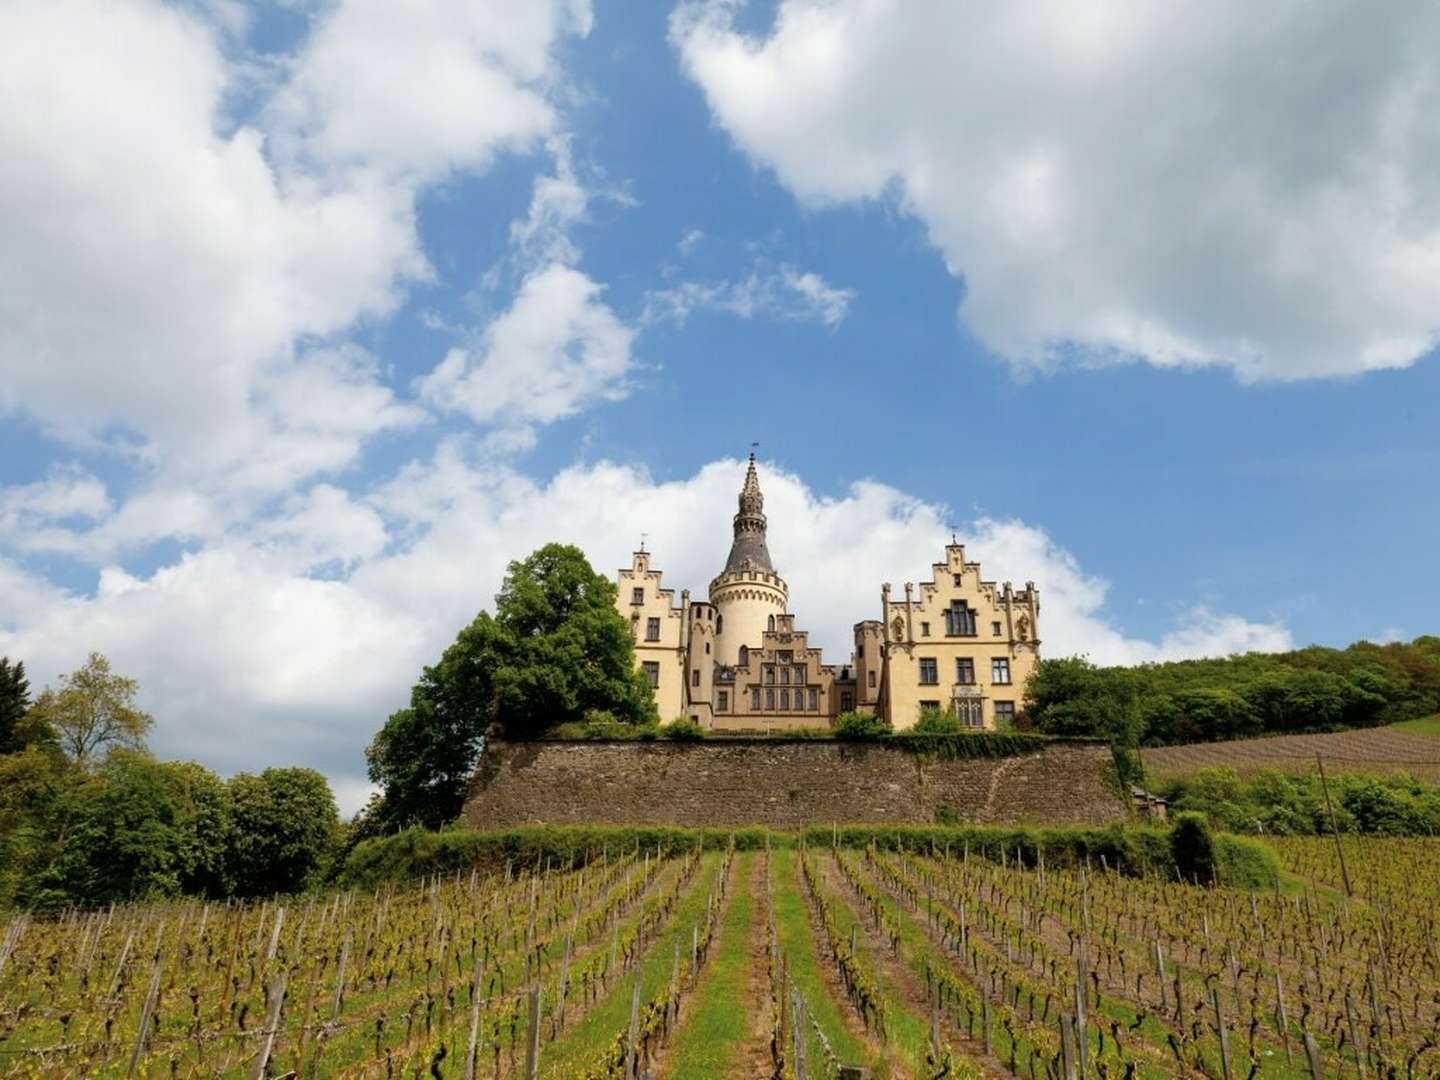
(1201, 183)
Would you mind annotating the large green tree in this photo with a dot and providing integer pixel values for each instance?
(554, 650)
(285, 829)
(92, 710)
(15, 731)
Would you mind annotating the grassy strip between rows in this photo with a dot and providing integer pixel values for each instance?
(906, 1031)
(715, 1022)
(577, 1048)
(797, 944)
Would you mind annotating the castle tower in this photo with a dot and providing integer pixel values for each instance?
(748, 594)
(700, 661)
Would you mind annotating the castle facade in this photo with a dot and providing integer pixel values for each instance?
(738, 662)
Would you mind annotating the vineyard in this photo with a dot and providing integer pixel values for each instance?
(787, 961)
(1378, 751)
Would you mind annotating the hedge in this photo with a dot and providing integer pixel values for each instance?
(1138, 851)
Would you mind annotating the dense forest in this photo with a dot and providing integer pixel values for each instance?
(89, 816)
(1311, 689)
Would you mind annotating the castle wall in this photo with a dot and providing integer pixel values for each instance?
(782, 784)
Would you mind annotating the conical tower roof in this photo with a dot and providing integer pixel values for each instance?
(748, 550)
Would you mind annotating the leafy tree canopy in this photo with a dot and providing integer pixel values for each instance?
(555, 650)
(92, 710)
(19, 727)
(285, 828)
(1312, 689)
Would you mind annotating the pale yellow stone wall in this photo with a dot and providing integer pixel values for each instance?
(639, 599)
(745, 602)
(915, 628)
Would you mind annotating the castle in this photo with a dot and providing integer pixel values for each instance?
(738, 663)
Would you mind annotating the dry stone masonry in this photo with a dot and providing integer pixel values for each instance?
(783, 784)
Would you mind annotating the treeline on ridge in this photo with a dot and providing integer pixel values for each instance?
(1186, 701)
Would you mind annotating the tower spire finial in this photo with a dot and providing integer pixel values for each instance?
(749, 550)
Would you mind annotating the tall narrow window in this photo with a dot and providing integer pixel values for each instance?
(755, 698)
(995, 628)
(965, 670)
(771, 624)
(785, 675)
(719, 624)
(959, 619)
(695, 677)
(929, 671)
(652, 672)
(744, 656)
(785, 699)
(769, 675)
(769, 699)
(722, 701)
(871, 676)
(1000, 671)
(652, 629)
(968, 711)
(637, 596)
(814, 700)
(847, 701)
(799, 676)
(924, 629)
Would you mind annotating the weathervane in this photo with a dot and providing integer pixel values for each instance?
(953, 531)
(642, 540)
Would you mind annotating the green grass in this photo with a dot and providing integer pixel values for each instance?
(907, 1032)
(1425, 725)
(580, 1046)
(716, 1020)
(797, 942)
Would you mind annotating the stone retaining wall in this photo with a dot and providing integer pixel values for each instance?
(742, 781)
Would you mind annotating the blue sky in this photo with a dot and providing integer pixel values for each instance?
(318, 314)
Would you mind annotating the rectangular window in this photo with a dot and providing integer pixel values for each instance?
(871, 676)
(755, 698)
(965, 670)
(1004, 714)
(968, 711)
(695, 677)
(785, 675)
(814, 700)
(929, 671)
(652, 672)
(860, 651)
(929, 706)
(958, 580)
(785, 656)
(637, 596)
(1000, 671)
(785, 699)
(769, 699)
(769, 676)
(799, 676)
(959, 620)
(995, 628)
(847, 701)
(652, 629)
(924, 629)
(722, 701)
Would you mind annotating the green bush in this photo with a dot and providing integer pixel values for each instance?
(1242, 863)
(938, 722)
(683, 729)
(1193, 848)
(861, 727)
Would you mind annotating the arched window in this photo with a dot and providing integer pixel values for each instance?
(744, 656)
(772, 623)
(719, 624)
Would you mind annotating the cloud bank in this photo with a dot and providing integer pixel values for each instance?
(1202, 183)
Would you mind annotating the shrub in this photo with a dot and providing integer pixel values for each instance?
(683, 730)
(1193, 848)
(938, 722)
(861, 727)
